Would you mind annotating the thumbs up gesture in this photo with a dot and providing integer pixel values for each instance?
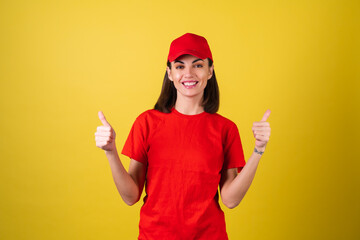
(105, 135)
(261, 131)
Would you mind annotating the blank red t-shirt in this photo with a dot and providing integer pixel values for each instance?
(184, 155)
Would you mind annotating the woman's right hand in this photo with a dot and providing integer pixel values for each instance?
(105, 135)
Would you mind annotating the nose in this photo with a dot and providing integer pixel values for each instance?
(188, 72)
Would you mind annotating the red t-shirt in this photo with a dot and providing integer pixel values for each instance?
(184, 155)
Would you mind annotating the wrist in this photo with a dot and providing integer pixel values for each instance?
(111, 152)
(259, 150)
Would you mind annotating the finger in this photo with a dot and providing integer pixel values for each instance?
(262, 138)
(261, 128)
(103, 139)
(101, 144)
(261, 124)
(103, 134)
(262, 133)
(103, 129)
(103, 119)
(266, 115)
(97, 138)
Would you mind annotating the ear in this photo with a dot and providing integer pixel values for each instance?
(169, 73)
(211, 71)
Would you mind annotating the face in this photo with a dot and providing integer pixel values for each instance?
(190, 75)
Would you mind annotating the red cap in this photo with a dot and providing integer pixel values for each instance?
(189, 43)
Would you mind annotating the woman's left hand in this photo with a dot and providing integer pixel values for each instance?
(261, 131)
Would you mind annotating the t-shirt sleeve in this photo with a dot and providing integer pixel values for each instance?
(135, 146)
(233, 150)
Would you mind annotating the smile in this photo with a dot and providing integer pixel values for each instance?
(190, 84)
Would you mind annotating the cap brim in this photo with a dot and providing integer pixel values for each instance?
(187, 51)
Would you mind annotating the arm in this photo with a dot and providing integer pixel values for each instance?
(129, 184)
(233, 186)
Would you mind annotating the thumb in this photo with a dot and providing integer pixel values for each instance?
(103, 119)
(266, 115)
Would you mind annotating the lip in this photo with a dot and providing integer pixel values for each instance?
(189, 86)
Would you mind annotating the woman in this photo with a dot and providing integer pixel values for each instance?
(183, 150)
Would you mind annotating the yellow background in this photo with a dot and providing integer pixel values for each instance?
(63, 61)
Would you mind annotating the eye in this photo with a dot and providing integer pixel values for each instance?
(198, 65)
(179, 67)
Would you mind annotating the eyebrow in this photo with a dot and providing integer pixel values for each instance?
(199, 59)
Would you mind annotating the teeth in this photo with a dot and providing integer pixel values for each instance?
(189, 83)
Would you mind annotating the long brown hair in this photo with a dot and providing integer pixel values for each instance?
(167, 98)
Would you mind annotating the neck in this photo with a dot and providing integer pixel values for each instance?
(189, 105)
